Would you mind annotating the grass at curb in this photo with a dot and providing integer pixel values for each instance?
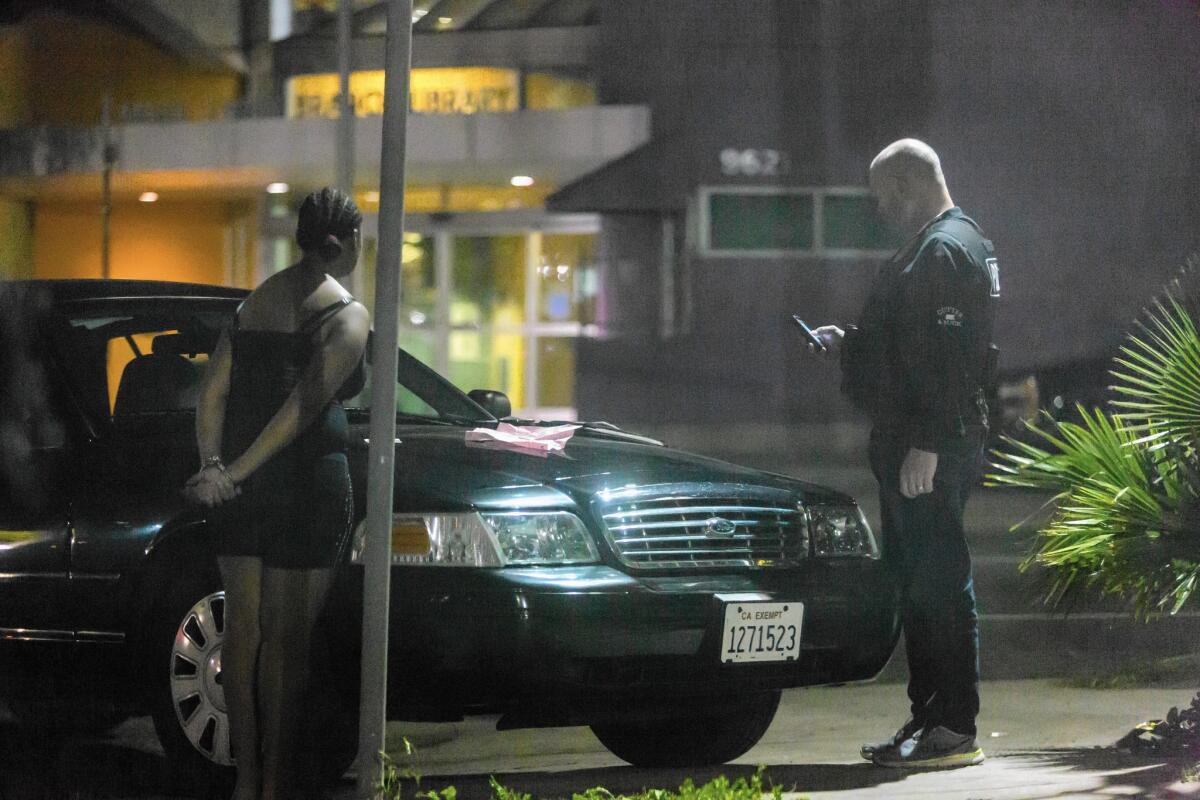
(1175, 672)
(402, 780)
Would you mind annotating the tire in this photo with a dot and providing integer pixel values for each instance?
(182, 657)
(187, 702)
(692, 740)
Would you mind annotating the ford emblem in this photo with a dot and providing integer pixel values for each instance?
(718, 527)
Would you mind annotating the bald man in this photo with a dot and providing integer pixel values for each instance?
(919, 363)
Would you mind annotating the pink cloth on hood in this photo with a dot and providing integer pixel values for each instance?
(532, 439)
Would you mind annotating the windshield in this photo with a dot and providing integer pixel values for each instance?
(422, 393)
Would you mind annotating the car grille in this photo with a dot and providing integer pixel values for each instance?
(679, 532)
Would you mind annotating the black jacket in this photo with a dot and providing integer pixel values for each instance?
(920, 359)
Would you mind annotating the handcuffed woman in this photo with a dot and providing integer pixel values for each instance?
(272, 436)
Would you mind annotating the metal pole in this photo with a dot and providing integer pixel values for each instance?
(345, 131)
(378, 551)
(109, 154)
(345, 138)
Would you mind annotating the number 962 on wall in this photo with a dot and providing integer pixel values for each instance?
(761, 632)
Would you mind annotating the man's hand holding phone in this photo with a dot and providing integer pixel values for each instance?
(823, 341)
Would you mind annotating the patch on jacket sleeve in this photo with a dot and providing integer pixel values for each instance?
(949, 317)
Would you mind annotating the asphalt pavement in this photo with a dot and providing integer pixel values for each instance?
(1043, 741)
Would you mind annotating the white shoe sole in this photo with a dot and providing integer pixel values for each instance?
(968, 759)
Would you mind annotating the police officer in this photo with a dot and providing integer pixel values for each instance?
(919, 363)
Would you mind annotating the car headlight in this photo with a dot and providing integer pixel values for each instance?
(840, 531)
(555, 537)
(486, 540)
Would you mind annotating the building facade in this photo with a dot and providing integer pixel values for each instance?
(615, 206)
(1068, 130)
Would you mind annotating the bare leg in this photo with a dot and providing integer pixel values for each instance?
(242, 576)
(292, 601)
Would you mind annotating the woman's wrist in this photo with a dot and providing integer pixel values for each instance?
(234, 471)
(215, 465)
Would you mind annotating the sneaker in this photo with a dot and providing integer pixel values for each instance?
(933, 748)
(869, 750)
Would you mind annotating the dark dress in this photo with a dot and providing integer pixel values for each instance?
(295, 511)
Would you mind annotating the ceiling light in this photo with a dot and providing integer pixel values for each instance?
(148, 197)
(521, 180)
(445, 20)
(418, 13)
(278, 188)
(371, 196)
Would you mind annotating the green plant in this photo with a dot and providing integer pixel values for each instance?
(391, 782)
(396, 774)
(719, 788)
(1126, 484)
(1159, 374)
(1123, 521)
(1177, 734)
(500, 792)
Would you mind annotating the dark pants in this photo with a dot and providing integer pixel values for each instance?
(926, 550)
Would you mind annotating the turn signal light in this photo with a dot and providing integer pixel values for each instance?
(410, 537)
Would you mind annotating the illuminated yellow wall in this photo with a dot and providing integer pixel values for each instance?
(56, 69)
(16, 241)
(155, 241)
(443, 90)
(545, 91)
(471, 197)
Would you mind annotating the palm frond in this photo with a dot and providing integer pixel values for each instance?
(1126, 484)
(1127, 521)
(1158, 374)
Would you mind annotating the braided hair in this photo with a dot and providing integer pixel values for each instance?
(326, 217)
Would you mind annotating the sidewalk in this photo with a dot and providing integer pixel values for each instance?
(1043, 741)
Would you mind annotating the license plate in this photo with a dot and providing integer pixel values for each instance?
(761, 632)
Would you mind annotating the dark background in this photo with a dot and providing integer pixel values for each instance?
(1068, 130)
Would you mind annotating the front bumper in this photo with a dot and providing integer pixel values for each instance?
(575, 641)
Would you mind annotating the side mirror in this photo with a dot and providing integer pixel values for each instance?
(495, 403)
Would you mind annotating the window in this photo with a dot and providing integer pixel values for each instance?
(766, 222)
(497, 301)
(772, 221)
(129, 357)
(567, 278)
(181, 371)
(850, 222)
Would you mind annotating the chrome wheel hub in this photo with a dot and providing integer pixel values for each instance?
(196, 687)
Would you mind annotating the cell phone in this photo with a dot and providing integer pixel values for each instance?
(808, 334)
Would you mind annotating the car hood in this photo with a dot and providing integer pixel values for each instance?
(436, 469)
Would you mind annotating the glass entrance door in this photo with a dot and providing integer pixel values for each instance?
(498, 301)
